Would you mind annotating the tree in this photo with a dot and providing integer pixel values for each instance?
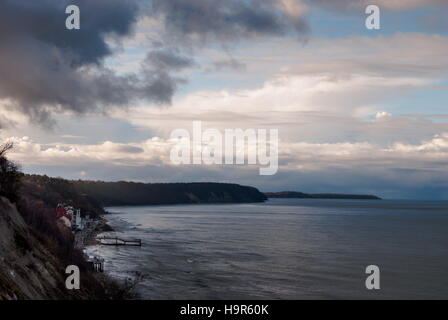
(9, 174)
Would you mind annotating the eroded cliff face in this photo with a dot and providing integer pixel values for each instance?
(27, 269)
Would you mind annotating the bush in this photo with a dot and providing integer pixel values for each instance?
(42, 221)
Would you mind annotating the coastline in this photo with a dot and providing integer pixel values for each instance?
(87, 237)
(118, 289)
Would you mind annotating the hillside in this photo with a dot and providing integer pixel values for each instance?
(301, 195)
(52, 191)
(35, 247)
(27, 269)
(91, 196)
(130, 193)
(33, 262)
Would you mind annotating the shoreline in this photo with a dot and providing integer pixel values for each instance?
(87, 237)
(119, 289)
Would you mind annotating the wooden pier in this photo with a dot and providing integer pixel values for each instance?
(96, 263)
(115, 241)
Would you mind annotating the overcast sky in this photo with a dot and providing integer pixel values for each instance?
(358, 111)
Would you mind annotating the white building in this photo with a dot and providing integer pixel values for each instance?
(78, 220)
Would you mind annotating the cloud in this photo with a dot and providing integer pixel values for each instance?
(313, 95)
(304, 156)
(306, 107)
(228, 64)
(168, 60)
(190, 22)
(387, 4)
(437, 146)
(383, 115)
(152, 151)
(46, 68)
(397, 170)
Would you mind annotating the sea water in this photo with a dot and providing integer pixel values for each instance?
(283, 249)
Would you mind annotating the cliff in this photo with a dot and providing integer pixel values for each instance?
(130, 193)
(92, 196)
(32, 264)
(28, 270)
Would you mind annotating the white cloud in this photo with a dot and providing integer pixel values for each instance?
(293, 8)
(301, 156)
(404, 4)
(436, 147)
(383, 115)
(385, 4)
(152, 151)
(302, 107)
(326, 91)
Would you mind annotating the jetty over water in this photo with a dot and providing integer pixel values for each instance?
(95, 262)
(115, 241)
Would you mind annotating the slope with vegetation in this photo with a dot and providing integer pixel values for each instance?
(35, 249)
(52, 191)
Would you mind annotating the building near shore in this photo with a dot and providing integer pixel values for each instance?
(70, 217)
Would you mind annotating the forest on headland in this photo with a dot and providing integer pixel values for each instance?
(133, 194)
(301, 195)
(92, 196)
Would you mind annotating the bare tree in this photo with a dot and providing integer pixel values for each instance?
(5, 148)
(9, 174)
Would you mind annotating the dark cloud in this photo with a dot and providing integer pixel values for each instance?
(44, 22)
(168, 60)
(229, 64)
(360, 5)
(193, 21)
(46, 68)
(161, 65)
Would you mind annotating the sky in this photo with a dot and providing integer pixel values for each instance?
(357, 110)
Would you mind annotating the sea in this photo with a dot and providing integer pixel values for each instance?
(282, 249)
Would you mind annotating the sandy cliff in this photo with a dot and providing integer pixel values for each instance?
(27, 269)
